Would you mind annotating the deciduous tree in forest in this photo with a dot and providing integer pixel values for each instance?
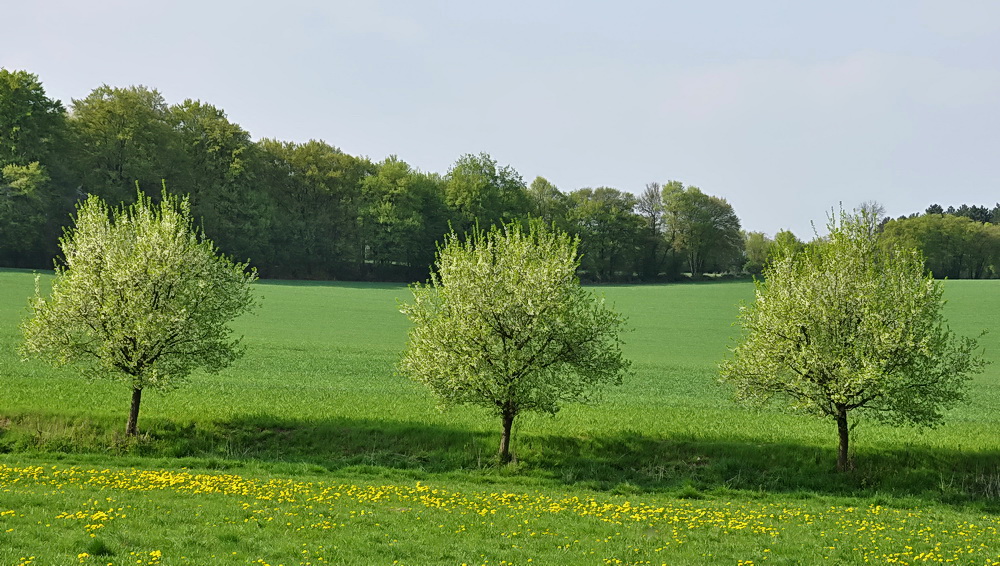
(121, 136)
(32, 125)
(548, 203)
(33, 190)
(315, 188)
(403, 215)
(485, 194)
(758, 252)
(952, 246)
(786, 242)
(610, 231)
(655, 249)
(704, 228)
(221, 170)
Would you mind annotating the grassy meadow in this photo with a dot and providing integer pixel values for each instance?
(310, 450)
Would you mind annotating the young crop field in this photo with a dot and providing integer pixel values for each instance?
(311, 450)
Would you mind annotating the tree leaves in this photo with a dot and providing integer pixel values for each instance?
(139, 296)
(504, 323)
(854, 324)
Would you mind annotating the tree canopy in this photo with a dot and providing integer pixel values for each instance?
(120, 137)
(484, 193)
(703, 228)
(31, 123)
(609, 230)
(503, 323)
(310, 210)
(33, 183)
(139, 296)
(953, 246)
(851, 325)
(305, 210)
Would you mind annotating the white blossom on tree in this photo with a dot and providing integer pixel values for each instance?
(504, 323)
(139, 296)
(851, 324)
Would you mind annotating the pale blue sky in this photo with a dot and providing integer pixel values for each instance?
(783, 108)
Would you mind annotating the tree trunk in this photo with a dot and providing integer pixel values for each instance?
(844, 433)
(508, 422)
(694, 264)
(133, 414)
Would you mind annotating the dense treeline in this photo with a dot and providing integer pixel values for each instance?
(956, 243)
(961, 242)
(309, 210)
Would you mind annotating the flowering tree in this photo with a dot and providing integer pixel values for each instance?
(503, 323)
(140, 296)
(850, 324)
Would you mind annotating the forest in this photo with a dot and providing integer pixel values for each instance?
(307, 210)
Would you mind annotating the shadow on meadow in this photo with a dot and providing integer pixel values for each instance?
(628, 462)
(622, 463)
(333, 444)
(696, 467)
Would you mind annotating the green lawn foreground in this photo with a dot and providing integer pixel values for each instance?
(310, 451)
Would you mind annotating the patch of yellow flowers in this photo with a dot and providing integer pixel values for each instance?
(872, 534)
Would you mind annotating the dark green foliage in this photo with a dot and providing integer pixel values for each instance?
(703, 228)
(309, 210)
(97, 547)
(957, 243)
(483, 193)
(401, 218)
(302, 210)
(953, 246)
(122, 137)
(313, 187)
(221, 171)
(610, 232)
(31, 124)
(548, 203)
(33, 182)
(657, 257)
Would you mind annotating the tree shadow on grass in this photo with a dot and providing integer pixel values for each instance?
(626, 462)
(334, 443)
(695, 466)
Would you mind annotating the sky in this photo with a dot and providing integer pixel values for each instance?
(787, 109)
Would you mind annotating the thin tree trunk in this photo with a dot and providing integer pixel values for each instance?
(133, 414)
(694, 261)
(508, 422)
(844, 433)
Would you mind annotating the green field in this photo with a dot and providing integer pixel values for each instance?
(310, 450)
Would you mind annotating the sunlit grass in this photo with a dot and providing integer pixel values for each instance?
(316, 399)
(135, 516)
